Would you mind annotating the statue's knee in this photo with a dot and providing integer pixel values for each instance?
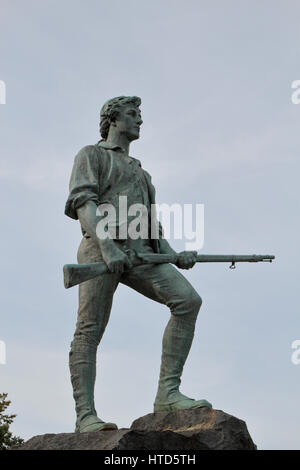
(195, 301)
(188, 303)
(84, 343)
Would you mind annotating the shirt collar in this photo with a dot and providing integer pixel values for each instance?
(109, 146)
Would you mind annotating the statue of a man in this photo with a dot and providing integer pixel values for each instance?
(102, 173)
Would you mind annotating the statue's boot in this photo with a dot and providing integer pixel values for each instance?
(177, 342)
(82, 364)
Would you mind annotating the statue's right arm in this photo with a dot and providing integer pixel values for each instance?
(89, 220)
(115, 259)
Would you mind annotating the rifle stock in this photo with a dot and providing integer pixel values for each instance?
(77, 273)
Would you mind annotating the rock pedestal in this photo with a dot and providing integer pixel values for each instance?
(197, 429)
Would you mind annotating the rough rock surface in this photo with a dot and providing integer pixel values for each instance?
(213, 428)
(198, 429)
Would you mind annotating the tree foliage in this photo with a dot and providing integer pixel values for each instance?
(7, 440)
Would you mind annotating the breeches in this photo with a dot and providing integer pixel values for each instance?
(162, 283)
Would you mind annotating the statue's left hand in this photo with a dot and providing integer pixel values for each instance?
(186, 259)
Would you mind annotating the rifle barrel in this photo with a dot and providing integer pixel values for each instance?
(234, 258)
(76, 273)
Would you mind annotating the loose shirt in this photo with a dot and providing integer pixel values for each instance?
(102, 173)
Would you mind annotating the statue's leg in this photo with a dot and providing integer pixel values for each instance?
(165, 284)
(95, 301)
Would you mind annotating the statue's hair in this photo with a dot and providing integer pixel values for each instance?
(110, 111)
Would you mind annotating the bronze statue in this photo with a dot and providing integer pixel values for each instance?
(101, 174)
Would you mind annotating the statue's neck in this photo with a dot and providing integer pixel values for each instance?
(119, 140)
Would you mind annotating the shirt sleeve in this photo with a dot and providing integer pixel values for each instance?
(84, 182)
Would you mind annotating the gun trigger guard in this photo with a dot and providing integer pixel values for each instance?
(232, 266)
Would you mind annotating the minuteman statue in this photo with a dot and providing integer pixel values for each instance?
(103, 174)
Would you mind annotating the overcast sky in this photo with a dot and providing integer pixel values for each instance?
(219, 129)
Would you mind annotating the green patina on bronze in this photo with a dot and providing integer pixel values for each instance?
(100, 174)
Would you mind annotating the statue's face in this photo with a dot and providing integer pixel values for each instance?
(129, 121)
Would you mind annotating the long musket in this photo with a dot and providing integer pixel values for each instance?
(76, 273)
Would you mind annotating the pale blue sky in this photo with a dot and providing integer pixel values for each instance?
(219, 129)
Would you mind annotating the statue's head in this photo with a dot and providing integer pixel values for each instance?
(122, 112)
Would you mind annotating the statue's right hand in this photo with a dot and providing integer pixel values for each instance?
(116, 260)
